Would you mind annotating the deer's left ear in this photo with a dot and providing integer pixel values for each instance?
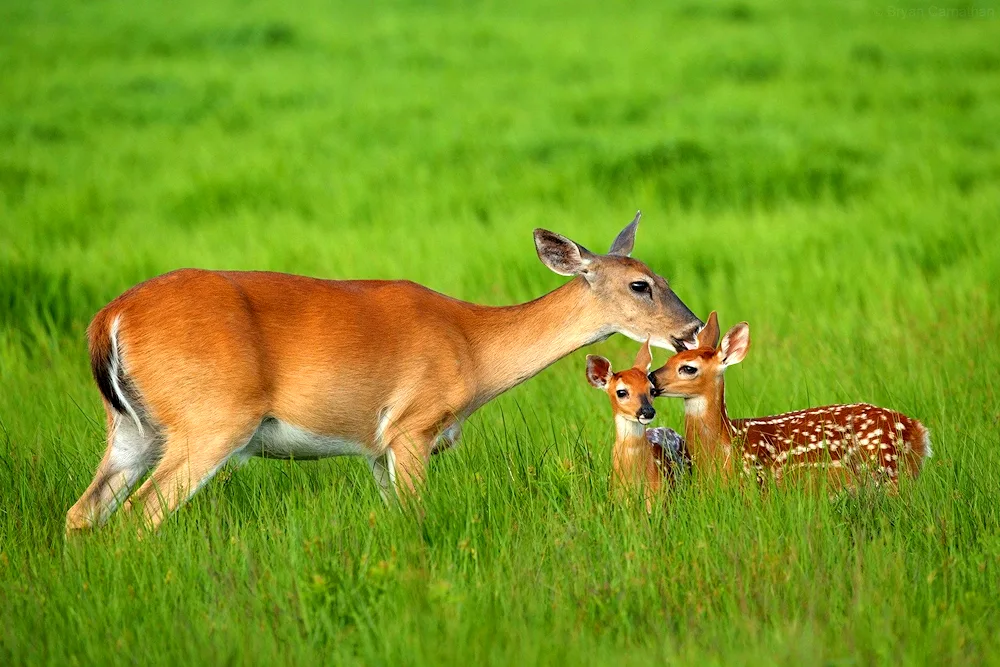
(644, 359)
(735, 345)
(625, 240)
(598, 371)
(561, 255)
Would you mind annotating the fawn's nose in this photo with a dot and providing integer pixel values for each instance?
(646, 411)
(654, 392)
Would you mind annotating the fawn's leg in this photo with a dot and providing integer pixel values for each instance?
(129, 455)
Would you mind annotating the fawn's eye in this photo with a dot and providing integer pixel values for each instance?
(640, 287)
(687, 370)
(622, 393)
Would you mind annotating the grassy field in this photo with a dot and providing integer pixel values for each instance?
(828, 171)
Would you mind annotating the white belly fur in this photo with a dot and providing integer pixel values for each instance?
(278, 440)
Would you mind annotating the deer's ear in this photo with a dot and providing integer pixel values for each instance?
(709, 334)
(563, 256)
(598, 371)
(644, 359)
(625, 240)
(735, 345)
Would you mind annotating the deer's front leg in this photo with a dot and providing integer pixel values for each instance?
(401, 469)
(410, 457)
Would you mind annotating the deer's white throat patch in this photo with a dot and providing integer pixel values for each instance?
(629, 428)
(695, 406)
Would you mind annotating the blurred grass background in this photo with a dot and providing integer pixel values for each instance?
(827, 171)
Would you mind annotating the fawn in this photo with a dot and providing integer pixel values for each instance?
(844, 441)
(641, 456)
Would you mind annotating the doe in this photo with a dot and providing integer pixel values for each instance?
(844, 441)
(196, 368)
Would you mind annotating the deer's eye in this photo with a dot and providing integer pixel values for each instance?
(640, 287)
(687, 370)
(622, 393)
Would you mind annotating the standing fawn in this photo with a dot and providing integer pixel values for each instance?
(843, 441)
(199, 367)
(641, 457)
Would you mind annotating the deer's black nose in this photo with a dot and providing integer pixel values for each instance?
(646, 411)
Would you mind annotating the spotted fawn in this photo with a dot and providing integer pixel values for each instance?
(844, 442)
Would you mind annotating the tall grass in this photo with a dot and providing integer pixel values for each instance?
(827, 172)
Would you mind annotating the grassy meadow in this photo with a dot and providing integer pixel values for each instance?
(828, 171)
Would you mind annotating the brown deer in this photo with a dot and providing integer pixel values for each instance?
(641, 457)
(199, 367)
(841, 441)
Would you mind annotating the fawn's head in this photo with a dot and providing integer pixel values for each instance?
(632, 299)
(697, 372)
(630, 391)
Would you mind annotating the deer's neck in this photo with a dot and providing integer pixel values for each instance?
(630, 433)
(514, 343)
(708, 430)
(632, 453)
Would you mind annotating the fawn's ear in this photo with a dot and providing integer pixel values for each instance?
(644, 359)
(598, 371)
(735, 345)
(625, 240)
(565, 257)
(709, 334)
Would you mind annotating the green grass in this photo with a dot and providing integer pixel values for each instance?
(826, 172)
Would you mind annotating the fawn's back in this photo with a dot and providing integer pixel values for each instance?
(848, 438)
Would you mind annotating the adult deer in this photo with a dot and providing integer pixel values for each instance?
(840, 442)
(197, 367)
(641, 457)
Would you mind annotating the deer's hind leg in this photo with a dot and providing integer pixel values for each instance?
(130, 454)
(191, 457)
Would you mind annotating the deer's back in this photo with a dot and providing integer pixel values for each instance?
(851, 437)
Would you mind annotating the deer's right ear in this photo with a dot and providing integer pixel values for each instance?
(709, 334)
(625, 240)
(735, 345)
(598, 371)
(563, 256)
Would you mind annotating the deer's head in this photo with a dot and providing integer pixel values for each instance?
(632, 299)
(698, 372)
(630, 391)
